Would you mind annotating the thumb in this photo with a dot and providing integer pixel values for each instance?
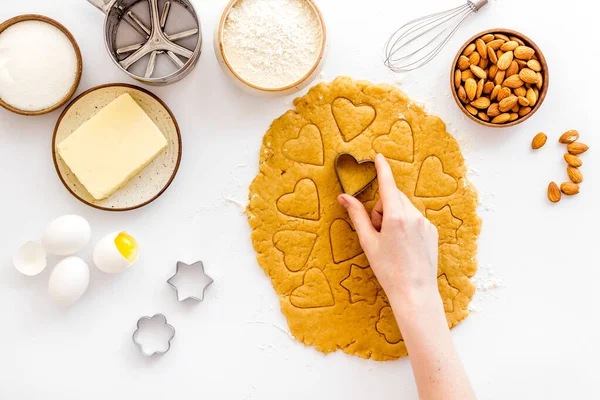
(359, 216)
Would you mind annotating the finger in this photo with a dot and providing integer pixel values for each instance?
(387, 185)
(377, 215)
(359, 216)
(407, 205)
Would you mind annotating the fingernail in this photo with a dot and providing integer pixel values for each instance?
(342, 200)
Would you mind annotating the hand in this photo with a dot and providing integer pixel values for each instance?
(400, 243)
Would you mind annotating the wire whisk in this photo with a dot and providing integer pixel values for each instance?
(419, 41)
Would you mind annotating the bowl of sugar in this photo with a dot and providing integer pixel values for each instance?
(271, 47)
(40, 65)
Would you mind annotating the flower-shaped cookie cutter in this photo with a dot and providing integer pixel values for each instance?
(148, 336)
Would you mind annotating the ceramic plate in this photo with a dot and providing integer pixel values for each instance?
(153, 180)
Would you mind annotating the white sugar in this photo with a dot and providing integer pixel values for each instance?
(38, 65)
(272, 43)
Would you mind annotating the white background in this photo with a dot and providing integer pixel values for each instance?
(535, 338)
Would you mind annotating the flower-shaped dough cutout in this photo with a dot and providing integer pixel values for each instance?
(153, 335)
(303, 237)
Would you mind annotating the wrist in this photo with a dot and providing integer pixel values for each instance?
(416, 302)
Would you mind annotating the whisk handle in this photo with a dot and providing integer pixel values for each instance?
(476, 4)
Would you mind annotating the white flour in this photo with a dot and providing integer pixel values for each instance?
(38, 65)
(272, 43)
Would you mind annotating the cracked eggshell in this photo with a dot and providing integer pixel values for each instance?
(30, 259)
(69, 281)
(66, 235)
(107, 257)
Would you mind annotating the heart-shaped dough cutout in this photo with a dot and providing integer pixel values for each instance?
(303, 202)
(352, 120)
(315, 292)
(296, 247)
(433, 181)
(398, 144)
(307, 148)
(354, 176)
(345, 244)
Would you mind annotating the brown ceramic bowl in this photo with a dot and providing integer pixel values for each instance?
(34, 17)
(541, 59)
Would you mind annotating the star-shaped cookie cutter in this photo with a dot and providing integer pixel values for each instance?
(199, 265)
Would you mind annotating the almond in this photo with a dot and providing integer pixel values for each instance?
(569, 188)
(495, 44)
(569, 136)
(514, 116)
(469, 49)
(488, 38)
(481, 48)
(493, 110)
(524, 111)
(539, 141)
(471, 88)
(482, 103)
(516, 108)
(521, 63)
(483, 116)
(524, 53)
(463, 63)
(504, 93)
(575, 174)
(505, 60)
(472, 110)
(523, 102)
(495, 92)
(540, 80)
(466, 74)
(516, 39)
(513, 82)
(474, 58)
(481, 74)
(479, 88)
(509, 46)
(502, 118)
(553, 192)
(521, 91)
(573, 161)
(488, 87)
(528, 75)
(534, 65)
(457, 78)
(531, 97)
(513, 69)
(508, 103)
(492, 55)
(502, 36)
(492, 72)
(577, 148)
(462, 95)
(483, 63)
(499, 78)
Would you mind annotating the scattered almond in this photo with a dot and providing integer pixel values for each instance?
(539, 141)
(574, 174)
(577, 148)
(569, 188)
(573, 161)
(569, 137)
(554, 194)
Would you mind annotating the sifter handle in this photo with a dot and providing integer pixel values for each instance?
(102, 5)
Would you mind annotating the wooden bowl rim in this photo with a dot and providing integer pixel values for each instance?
(110, 85)
(284, 88)
(36, 17)
(541, 59)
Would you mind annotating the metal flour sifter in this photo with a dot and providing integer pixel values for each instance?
(160, 41)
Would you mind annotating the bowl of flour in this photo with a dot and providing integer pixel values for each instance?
(271, 46)
(40, 65)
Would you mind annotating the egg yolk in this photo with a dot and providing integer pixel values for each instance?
(127, 246)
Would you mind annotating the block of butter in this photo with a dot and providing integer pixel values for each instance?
(112, 147)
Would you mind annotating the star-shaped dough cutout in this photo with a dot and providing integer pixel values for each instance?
(361, 284)
(445, 222)
(190, 281)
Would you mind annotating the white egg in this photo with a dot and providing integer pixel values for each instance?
(69, 281)
(115, 252)
(66, 235)
(30, 259)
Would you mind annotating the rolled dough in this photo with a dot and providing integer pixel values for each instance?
(304, 239)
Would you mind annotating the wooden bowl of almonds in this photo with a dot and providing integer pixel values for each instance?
(499, 78)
